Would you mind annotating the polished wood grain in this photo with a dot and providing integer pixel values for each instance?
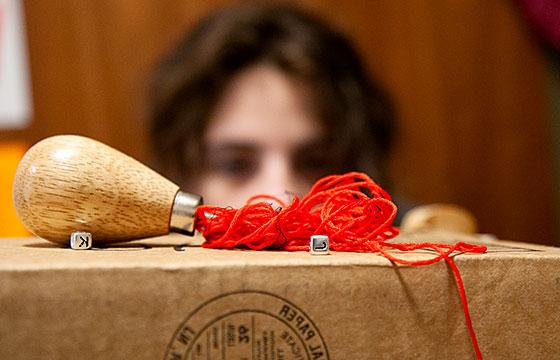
(72, 183)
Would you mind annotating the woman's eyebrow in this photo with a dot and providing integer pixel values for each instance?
(236, 146)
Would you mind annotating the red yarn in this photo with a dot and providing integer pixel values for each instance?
(351, 209)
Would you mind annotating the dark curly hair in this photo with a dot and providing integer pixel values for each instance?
(187, 84)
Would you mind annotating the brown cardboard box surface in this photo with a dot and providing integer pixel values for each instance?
(151, 300)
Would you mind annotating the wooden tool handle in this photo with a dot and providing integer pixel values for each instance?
(72, 183)
(439, 216)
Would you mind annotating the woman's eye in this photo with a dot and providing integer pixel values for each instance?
(313, 159)
(231, 160)
(236, 166)
(233, 167)
(311, 167)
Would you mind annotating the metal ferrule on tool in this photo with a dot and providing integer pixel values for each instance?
(182, 214)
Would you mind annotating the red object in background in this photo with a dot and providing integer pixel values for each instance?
(10, 156)
(544, 16)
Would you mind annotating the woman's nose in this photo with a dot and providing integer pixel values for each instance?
(278, 178)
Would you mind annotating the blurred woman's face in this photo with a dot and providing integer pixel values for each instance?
(263, 138)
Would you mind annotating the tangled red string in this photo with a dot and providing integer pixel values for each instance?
(351, 209)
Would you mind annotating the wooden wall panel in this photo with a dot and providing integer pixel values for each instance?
(467, 77)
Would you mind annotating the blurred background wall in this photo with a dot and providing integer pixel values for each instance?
(469, 78)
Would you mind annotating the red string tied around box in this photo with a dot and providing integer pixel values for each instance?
(351, 209)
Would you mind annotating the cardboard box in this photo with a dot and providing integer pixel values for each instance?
(155, 300)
